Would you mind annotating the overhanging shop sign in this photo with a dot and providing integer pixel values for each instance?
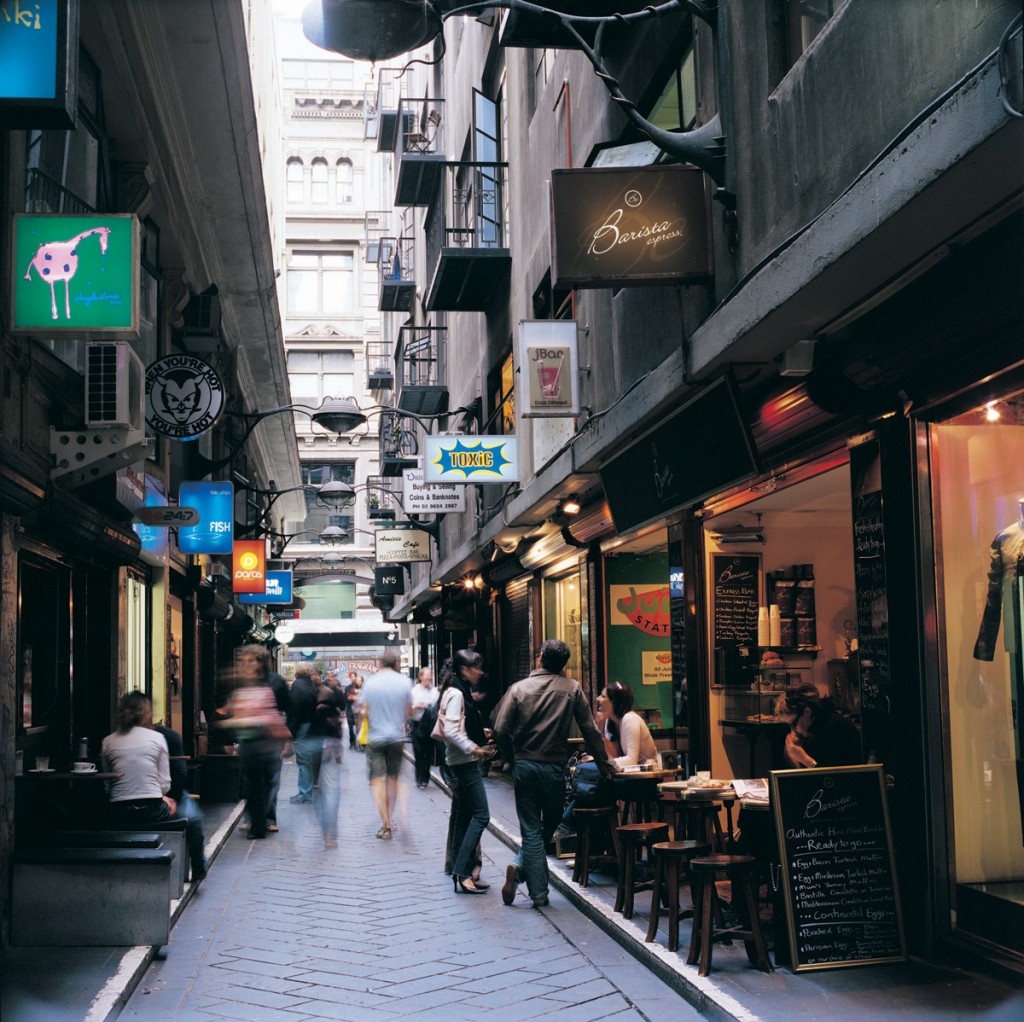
(548, 368)
(38, 63)
(215, 503)
(470, 459)
(249, 566)
(634, 226)
(184, 397)
(278, 589)
(76, 275)
(401, 543)
(420, 498)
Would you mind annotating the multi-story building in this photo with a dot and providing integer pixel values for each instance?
(155, 136)
(331, 179)
(824, 397)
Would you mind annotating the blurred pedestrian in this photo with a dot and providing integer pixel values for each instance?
(387, 703)
(139, 755)
(353, 693)
(251, 712)
(424, 697)
(330, 712)
(281, 700)
(308, 743)
(467, 746)
(534, 719)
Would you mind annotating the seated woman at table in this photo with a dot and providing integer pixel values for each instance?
(626, 734)
(139, 755)
(819, 735)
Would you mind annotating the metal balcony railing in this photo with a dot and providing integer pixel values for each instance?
(397, 273)
(376, 227)
(44, 195)
(421, 127)
(390, 89)
(383, 496)
(468, 210)
(399, 447)
(466, 236)
(380, 366)
(418, 355)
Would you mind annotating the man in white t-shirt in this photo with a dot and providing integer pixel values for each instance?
(387, 703)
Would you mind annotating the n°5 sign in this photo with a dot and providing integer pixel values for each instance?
(389, 581)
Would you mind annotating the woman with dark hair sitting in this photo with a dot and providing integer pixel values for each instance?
(467, 745)
(625, 729)
(819, 735)
(139, 755)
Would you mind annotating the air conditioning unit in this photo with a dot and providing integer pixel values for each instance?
(115, 386)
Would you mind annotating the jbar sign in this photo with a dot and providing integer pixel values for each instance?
(632, 226)
(548, 368)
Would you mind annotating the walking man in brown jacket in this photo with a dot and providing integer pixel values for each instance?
(533, 721)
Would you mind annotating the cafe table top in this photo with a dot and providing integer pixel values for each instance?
(70, 775)
(645, 775)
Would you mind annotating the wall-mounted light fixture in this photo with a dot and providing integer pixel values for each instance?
(570, 506)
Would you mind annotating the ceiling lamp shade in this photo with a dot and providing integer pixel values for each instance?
(339, 415)
(373, 30)
(333, 535)
(336, 494)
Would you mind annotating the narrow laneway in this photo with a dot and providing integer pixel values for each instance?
(373, 930)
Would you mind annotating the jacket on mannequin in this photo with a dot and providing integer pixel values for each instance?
(1007, 564)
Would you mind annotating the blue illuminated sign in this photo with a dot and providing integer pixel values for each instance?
(153, 539)
(279, 590)
(215, 502)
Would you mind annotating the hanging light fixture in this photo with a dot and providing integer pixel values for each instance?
(334, 535)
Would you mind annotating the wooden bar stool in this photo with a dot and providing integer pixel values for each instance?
(590, 823)
(633, 838)
(737, 869)
(668, 857)
(703, 822)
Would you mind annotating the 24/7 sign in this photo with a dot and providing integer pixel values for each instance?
(167, 516)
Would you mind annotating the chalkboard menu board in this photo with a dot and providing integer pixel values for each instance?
(872, 601)
(737, 589)
(838, 874)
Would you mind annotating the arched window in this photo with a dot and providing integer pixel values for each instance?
(320, 195)
(294, 181)
(345, 182)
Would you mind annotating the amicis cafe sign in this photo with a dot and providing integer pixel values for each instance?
(470, 459)
(632, 226)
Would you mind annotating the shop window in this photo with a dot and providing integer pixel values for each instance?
(676, 107)
(314, 375)
(318, 181)
(563, 617)
(805, 19)
(318, 515)
(978, 506)
(136, 632)
(321, 283)
(345, 182)
(43, 643)
(503, 400)
(294, 181)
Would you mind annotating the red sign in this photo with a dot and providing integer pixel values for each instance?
(648, 611)
(249, 566)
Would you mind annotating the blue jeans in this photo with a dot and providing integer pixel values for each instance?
(330, 788)
(472, 816)
(308, 753)
(540, 794)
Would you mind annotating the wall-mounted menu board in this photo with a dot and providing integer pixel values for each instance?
(838, 872)
(736, 590)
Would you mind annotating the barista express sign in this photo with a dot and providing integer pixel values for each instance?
(633, 225)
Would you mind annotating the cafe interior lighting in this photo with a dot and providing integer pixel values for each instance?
(740, 534)
(992, 413)
(570, 506)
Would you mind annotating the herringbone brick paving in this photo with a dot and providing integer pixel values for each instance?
(373, 931)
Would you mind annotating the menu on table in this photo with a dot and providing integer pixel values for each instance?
(837, 867)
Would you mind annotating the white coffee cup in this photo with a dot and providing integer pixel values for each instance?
(83, 767)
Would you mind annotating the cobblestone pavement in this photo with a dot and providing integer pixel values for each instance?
(372, 930)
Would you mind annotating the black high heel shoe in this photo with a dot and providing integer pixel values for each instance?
(459, 883)
(480, 885)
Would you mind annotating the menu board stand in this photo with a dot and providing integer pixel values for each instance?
(837, 867)
(736, 594)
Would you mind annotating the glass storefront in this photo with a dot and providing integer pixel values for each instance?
(563, 616)
(978, 506)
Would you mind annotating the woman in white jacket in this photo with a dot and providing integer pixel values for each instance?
(625, 728)
(466, 745)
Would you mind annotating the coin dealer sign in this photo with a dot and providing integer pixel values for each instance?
(421, 498)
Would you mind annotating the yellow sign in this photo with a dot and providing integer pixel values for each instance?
(656, 666)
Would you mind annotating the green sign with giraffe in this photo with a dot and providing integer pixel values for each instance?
(76, 274)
